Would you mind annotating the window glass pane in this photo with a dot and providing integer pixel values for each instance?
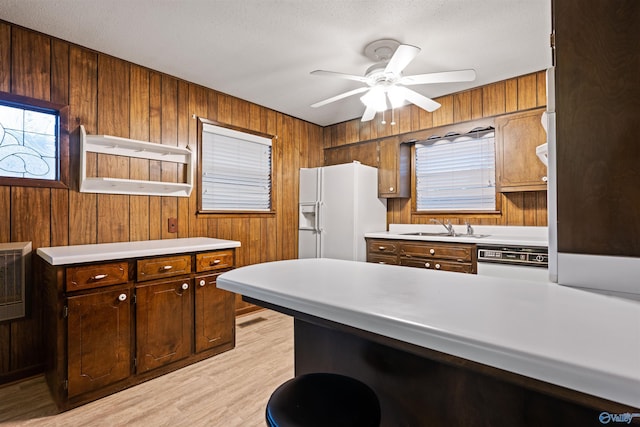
(11, 118)
(28, 143)
(236, 170)
(456, 173)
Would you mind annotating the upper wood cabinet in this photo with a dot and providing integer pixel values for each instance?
(517, 165)
(394, 169)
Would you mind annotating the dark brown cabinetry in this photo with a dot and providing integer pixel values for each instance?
(597, 104)
(99, 339)
(394, 169)
(214, 314)
(163, 323)
(517, 164)
(458, 257)
(111, 325)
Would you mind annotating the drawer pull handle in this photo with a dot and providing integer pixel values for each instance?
(217, 261)
(99, 276)
(122, 297)
(202, 282)
(437, 266)
(185, 286)
(382, 248)
(432, 251)
(427, 264)
(167, 267)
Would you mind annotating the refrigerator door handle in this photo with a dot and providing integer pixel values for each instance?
(318, 214)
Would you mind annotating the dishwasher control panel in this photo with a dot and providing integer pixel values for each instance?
(514, 255)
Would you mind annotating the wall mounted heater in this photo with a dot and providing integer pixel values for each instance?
(13, 262)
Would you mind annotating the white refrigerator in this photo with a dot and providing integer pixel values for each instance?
(337, 206)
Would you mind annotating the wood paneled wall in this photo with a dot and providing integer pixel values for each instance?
(111, 96)
(356, 140)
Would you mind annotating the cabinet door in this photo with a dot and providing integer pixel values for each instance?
(163, 323)
(394, 169)
(99, 340)
(214, 319)
(517, 136)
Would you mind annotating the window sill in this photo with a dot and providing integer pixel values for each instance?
(462, 212)
(30, 182)
(236, 214)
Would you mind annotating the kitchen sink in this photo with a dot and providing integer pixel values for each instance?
(444, 234)
(423, 233)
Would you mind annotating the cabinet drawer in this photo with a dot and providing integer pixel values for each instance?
(382, 259)
(214, 260)
(432, 264)
(460, 253)
(382, 247)
(155, 268)
(96, 276)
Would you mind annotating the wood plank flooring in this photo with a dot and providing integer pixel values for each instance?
(230, 389)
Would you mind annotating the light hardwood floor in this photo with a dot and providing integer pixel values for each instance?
(230, 389)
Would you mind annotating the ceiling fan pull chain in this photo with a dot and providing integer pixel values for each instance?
(393, 116)
(384, 122)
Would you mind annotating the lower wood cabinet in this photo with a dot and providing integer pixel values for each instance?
(457, 257)
(164, 323)
(213, 315)
(111, 325)
(99, 339)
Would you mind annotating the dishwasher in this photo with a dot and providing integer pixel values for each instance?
(514, 262)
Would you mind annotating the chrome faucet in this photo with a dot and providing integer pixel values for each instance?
(469, 228)
(446, 225)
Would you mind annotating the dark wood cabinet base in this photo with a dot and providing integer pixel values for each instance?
(418, 386)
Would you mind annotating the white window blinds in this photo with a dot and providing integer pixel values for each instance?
(456, 173)
(236, 170)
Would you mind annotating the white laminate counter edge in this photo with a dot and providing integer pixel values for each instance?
(76, 254)
(619, 382)
(495, 235)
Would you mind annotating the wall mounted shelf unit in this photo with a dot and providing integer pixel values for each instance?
(117, 146)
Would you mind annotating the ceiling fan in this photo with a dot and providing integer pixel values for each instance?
(384, 79)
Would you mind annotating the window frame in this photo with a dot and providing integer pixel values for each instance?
(460, 128)
(235, 212)
(62, 180)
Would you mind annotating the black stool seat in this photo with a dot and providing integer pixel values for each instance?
(323, 399)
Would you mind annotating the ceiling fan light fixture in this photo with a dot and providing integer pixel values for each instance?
(375, 98)
(396, 98)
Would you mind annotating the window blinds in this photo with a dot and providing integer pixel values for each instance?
(456, 173)
(236, 170)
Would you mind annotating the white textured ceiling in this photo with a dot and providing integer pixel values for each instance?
(263, 50)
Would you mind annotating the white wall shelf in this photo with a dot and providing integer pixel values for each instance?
(113, 145)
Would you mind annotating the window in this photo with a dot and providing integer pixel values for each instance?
(235, 170)
(456, 172)
(32, 150)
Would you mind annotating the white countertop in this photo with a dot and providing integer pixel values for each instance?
(565, 336)
(61, 255)
(494, 235)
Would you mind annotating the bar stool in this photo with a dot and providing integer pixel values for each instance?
(323, 399)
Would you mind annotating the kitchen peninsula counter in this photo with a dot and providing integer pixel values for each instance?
(542, 332)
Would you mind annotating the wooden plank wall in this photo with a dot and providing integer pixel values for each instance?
(111, 96)
(355, 140)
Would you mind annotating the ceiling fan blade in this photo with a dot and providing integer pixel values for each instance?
(369, 113)
(403, 55)
(444, 77)
(418, 99)
(340, 75)
(340, 96)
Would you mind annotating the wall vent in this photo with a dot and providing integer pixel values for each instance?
(13, 262)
